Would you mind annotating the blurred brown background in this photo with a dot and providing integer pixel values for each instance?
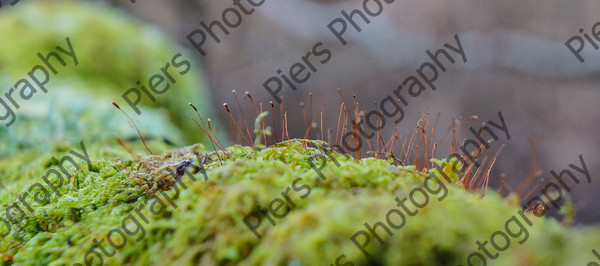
(517, 64)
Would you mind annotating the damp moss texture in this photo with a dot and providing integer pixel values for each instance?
(207, 225)
(203, 222)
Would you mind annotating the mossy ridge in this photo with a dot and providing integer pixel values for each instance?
(20, 173)
(207, 226)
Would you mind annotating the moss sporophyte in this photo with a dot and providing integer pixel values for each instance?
(148, 209)
(389, 203)
(143, 210)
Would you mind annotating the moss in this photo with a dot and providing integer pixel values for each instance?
(114, 52)
(207, 226)
(67, 121)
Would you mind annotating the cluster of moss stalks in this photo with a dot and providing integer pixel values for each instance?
(206, 227)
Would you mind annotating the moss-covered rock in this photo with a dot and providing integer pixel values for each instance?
(207, 226)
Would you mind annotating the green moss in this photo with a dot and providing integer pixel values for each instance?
(114, 52)
(52, 120)
(207, 226)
